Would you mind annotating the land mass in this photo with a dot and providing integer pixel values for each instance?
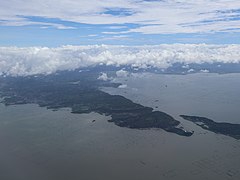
(228, 129)
(81, 92)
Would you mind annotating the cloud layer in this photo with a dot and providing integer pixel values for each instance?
(42, 60)
(151, 16)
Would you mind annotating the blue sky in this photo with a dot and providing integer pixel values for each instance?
(119, 22)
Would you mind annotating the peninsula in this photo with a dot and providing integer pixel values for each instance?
(81, 92)
(228, 129)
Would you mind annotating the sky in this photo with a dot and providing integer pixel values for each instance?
(44, 36)
(54, 23)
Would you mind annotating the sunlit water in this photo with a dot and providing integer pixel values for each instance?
(37, 143)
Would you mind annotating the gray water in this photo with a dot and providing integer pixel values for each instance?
(212, 95)
(37, 143)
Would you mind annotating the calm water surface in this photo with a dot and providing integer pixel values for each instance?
(37, 143)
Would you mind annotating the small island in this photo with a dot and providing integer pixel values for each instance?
(228, 129)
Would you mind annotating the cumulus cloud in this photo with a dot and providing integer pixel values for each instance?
(103, 77)
(123, 86)
(204, 71)
(42, 60)
(122, 73)
(190, 70)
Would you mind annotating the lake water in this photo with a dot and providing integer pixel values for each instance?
(37, 143)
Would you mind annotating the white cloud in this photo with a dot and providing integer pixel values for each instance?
(43, 60)
(115, 32)
(123, 86)
(162, 17)
(92, 35)
(191, 70)
(122, 73)
(185, 66)
(116, 37)
(117, 27)
(204, 71)
(103, 77)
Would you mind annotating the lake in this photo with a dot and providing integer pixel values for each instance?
(37, 143)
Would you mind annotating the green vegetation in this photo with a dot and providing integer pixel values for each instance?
(232, 130)
(80, 92)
